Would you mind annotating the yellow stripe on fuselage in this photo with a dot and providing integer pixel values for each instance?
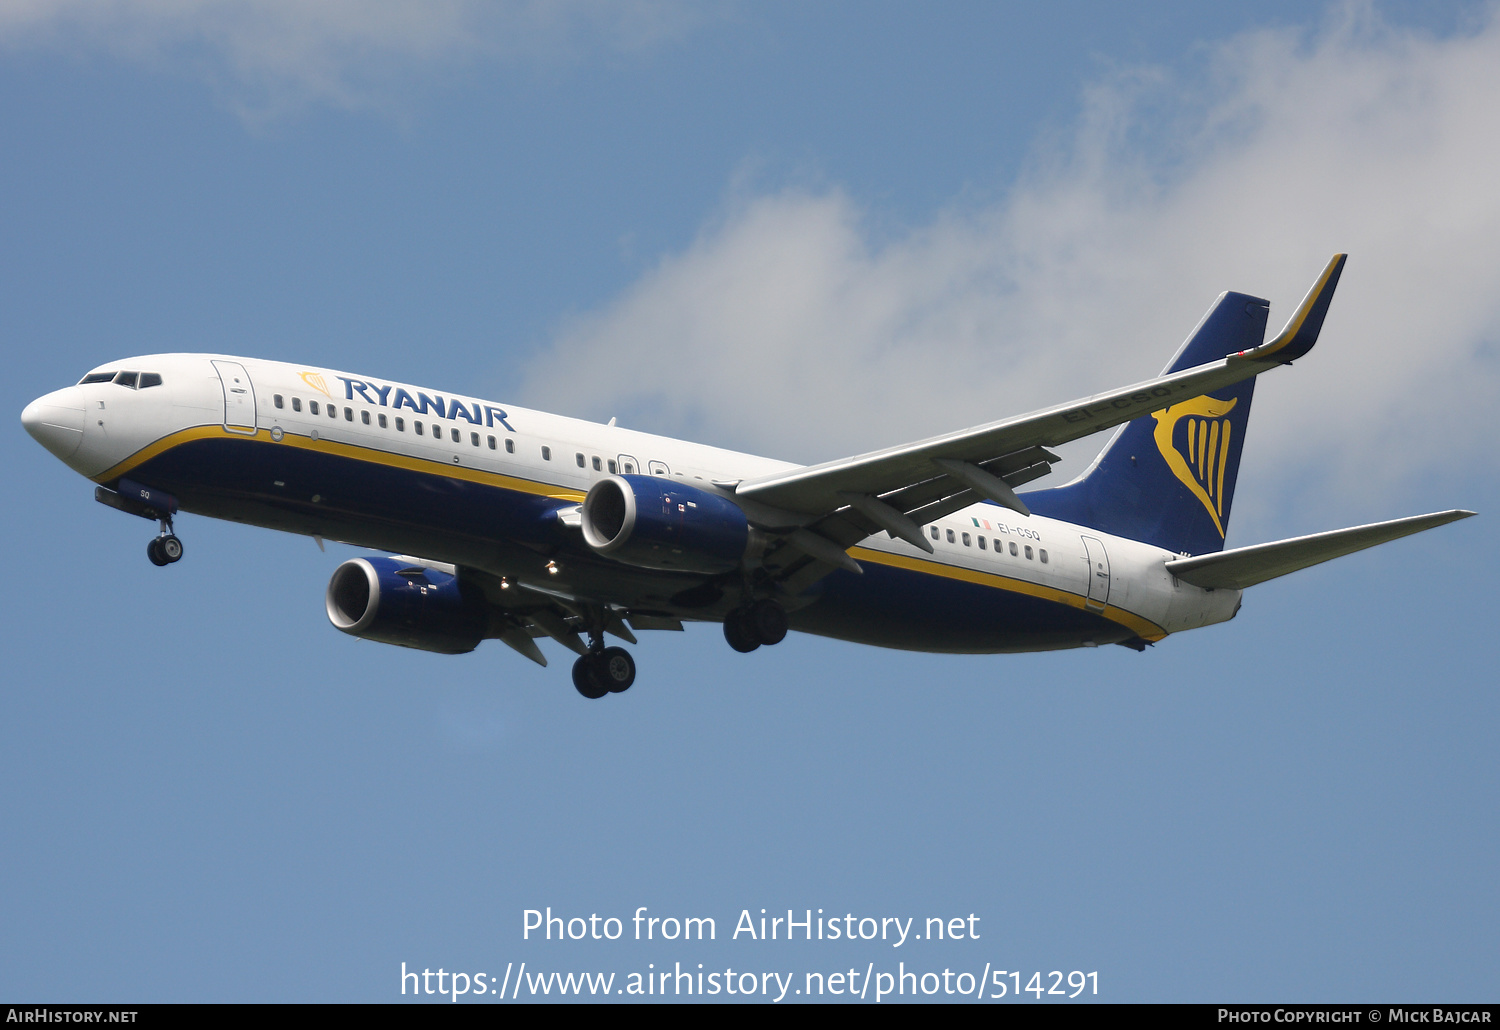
(356, 452)
(1143, 628)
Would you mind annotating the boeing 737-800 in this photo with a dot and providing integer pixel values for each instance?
(498, 522)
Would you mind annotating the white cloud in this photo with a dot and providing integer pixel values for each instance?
(269, 56)
(788, 328)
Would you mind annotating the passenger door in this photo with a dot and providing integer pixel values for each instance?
(239, 397)
(1098, 562)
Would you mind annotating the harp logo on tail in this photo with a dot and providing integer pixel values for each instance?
(1198, 452)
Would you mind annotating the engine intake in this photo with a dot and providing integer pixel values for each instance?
(658, 523)
(395, 602)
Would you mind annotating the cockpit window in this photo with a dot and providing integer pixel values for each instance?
(96, 377)
(126, 379)
(150, 379)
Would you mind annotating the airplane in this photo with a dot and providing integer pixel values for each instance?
(497, 522)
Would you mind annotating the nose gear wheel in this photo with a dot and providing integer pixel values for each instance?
(164, 550)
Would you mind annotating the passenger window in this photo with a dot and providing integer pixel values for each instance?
(579, 456)
(416, 427)
(546, 453)
(473, 438)
(950, 536)
(126, 379)
(611, 466)
(598, 466)
(492, 442)
(96, 377)
(966, 540)
(312, 406)
(154, 379)
(364, 416)
(381, 419)
(348, 414)
(1042, 554)
(934, 532)
(510, 446)
(277, 400)
(400, 425)
(1028, 552)
(629, 468)
(333, 412)
(297, 404)
(456, 436)
(980, 542)
(1013, 549)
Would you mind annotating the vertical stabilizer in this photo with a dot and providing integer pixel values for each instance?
(1168, 479)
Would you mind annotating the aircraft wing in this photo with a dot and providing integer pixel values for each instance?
(1246, 566)
(900, 488)
(519, 615)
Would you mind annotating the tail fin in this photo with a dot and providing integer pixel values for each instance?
(1169, 479)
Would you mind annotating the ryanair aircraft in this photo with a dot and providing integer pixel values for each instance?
(503, 523)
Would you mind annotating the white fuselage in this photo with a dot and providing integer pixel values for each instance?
(107, 431)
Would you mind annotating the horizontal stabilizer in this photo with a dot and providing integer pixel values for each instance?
(1247, 566)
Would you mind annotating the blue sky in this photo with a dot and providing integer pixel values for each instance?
(802, 230)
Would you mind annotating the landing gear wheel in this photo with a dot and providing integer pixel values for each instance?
(739, 632)
(615, 669)
(767, 621)
(170, 548)
(587, 679)
(154, 552)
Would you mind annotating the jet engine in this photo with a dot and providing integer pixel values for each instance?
(659, 523)
(396, 602)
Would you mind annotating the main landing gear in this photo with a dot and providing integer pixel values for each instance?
(604, 670)
(763, 622)
(166, 548)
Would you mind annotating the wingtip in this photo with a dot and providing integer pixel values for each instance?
(1302, 329)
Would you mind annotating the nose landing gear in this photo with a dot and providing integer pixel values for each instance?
(151, 504)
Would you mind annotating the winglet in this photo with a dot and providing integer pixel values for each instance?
(1302, 329)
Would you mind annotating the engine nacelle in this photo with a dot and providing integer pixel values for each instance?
(396, 602)
(660, 523)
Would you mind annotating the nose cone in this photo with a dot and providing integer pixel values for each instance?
(56, 422)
